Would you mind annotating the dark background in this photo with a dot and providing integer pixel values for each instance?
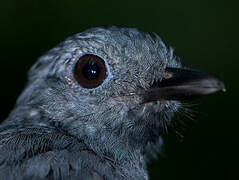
(204, 34)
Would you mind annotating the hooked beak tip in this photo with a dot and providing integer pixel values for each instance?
(184, 84)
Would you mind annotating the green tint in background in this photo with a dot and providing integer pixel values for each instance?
(204, 35)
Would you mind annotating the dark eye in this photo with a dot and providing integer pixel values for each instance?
(90, 71)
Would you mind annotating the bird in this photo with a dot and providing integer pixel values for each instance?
(95, 107)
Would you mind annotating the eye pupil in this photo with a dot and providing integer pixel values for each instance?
(91, 71)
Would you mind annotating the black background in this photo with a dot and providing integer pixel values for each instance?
(204, 34)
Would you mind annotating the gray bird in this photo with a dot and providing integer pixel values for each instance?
(96, 106)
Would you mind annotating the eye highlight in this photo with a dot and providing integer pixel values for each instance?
(90, 71)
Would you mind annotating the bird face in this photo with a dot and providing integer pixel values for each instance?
(117, 82)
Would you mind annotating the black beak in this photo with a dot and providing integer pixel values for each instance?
(183, 84)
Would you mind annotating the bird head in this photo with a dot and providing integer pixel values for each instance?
(111, 85)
